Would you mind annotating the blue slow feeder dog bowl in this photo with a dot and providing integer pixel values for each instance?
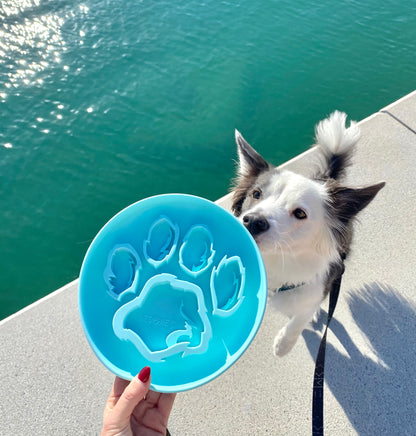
(174, 282)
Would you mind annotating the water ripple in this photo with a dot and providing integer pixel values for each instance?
(30, 41)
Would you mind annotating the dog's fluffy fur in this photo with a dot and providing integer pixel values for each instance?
(303, 226)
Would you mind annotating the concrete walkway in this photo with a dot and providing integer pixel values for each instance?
(52, 383)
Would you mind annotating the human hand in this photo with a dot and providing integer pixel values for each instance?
(132, 409)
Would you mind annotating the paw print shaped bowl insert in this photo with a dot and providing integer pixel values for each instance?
(174, 282)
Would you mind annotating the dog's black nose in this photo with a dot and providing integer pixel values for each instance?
(255, 223)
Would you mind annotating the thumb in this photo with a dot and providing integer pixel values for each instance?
(131, 396)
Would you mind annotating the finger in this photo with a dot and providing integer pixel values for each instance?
(118, 388)
(152, 398)
(166, 404)
(154, 411)
(131, 396)
(163, 401)
(160, 402)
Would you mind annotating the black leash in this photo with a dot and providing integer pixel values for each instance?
(318, 378)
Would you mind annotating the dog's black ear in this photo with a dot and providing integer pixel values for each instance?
(250, 162)
(348, 202)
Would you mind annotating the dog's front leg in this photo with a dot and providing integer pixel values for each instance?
(288, 335)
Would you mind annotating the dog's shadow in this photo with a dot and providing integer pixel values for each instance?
(376, 389)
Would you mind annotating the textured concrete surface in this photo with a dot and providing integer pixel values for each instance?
(51, 382)
(404, 110)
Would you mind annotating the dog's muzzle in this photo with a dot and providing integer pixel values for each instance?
(255, 223)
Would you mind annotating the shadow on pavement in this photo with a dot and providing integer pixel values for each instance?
(377, 390)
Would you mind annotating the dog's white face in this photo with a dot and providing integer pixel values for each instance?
(285, 213)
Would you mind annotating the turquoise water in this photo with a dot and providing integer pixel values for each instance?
(103, 103)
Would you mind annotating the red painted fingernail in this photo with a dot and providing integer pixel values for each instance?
(144, 374)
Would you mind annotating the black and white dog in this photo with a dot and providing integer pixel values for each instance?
(303, 226)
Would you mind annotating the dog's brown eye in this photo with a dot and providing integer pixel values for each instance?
(256, 194)
(299, 214)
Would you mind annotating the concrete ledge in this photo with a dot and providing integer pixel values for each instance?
(51, 383)
(404, 111)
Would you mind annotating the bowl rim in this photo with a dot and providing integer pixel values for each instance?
(174, 388)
